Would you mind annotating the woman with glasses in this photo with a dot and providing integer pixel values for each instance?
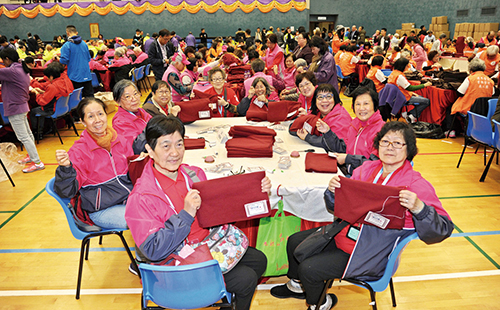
(227, 99)
(159, 100)
(326, 106)
(357, 146)
(130, 119)
(306, 84)
(361, 251)
(96, 168)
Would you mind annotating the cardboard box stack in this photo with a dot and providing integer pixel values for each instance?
(440, 25)
(474, 30)
(406, 28)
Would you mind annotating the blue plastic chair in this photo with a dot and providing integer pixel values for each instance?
(184, 287)
(386, 280)
(495, 143)
(95, 81)
(62, 109)
(138, 75)
(146, 75)
(83, 235)
(74, 99)
(386, 72)
(478, 130)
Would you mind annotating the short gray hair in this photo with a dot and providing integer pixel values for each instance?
(118, 53)
(120, 88)
(300, 63)
(477, 64)
(378, 50)
(492, 50)
(137, 49)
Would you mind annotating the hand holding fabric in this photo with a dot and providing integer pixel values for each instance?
(334, 183)
(410, 201)
(192, 202)
(62, 158)
(266, 185)
(322, 126)
(302, 133)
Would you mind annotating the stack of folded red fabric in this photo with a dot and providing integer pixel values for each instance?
(193, 144)
(321, 163)
(250, 141)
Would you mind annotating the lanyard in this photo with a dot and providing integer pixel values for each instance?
(380, 174)
(171, 205)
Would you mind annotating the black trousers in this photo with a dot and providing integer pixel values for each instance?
(88, 90)
(244, 277)
(315, 270)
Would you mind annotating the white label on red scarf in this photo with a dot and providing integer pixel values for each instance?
(259, 103)
(377, 219)
(204, 114)
(307, 127)
(256, 208)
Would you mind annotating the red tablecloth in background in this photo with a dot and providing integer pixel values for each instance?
(440, 100)
(362, 70)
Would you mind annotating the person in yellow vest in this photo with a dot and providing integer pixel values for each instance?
(476, 85)
(491, 59)
(398, 78)
(376, 75)
(450, 46)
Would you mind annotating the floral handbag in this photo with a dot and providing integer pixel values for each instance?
(227, 245)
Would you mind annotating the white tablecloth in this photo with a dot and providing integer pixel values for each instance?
(302, 192)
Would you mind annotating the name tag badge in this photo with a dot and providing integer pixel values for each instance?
(377, 220)
(353, 233)
(259, 103)
(204, 114)
(307, 127)
(256, 208)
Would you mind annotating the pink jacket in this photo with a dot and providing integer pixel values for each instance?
(101, 176)
(419, 56)
(142, 56)
(122, 61)
(128, 125)
(176, 97)
(339, 120)
(360, 136)
(275, 57)
(148, 210)
(96, 65)
(248, 82)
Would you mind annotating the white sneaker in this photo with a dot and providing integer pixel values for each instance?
(330, 302)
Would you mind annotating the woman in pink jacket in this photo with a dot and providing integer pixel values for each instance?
(96, 168)
(130, 120)
(357, 146)
(161, 210)
(419, 55)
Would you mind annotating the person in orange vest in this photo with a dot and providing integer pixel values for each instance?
(489, 40)
(491, 59)
(338, 39)
(379, 51)
(396, 54)
(432, 65)
(339, 54)
(348, 61)
(376, 75)
(469, 47)
(398, 78)
(476, 85)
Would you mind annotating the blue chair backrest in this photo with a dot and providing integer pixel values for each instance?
(480, 128)
(183, 287)
(75, 98)
(492, 105)
(392, 264)
(95, 81)
(77, 233)
(339, 72)
(147, 70)
(2, 112)
(61, 107)
(140, 72)
(386, 72)
(496, 137)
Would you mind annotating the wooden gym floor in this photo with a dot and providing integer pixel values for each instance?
(39, 256)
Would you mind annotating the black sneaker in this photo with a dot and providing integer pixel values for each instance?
(132, 268)
(330, 302)
(282, 291)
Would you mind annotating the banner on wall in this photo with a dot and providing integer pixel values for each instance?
(156, 7)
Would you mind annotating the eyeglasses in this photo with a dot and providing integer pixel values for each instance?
(324, 97)
(163, 92)
(305, 84)
(395, 144)
(217, 80)
(129, 98)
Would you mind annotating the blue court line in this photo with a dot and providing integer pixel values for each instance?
(104, 249)
(21, 251)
